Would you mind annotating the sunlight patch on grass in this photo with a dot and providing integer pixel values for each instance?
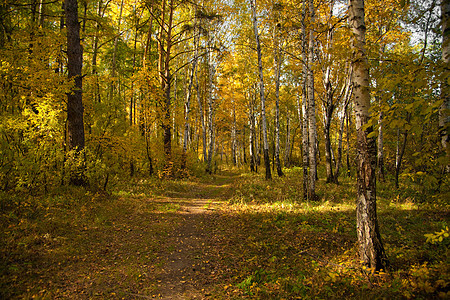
(291, 207)
(405, 205)
(169, 207)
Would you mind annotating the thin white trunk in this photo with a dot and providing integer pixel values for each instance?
(261, 91)
(347, 97)
(187, 104)
(311, 110)
(233, 136)
(202, 116)
(277, 62)
(211, 72)
(287, 148)
(304, 109)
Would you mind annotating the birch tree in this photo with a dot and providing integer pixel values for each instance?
(304, 109)
(211, 104)
(371, 250)
(261, 91)
(187, 104)
(312, 131)
(277, 63)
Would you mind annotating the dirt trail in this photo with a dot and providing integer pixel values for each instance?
(187, 267)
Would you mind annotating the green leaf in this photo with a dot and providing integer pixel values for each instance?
(372, 134)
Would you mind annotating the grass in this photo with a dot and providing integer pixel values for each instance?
(263, 243)
(292, 249)
(100, 244)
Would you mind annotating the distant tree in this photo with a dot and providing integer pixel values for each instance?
(261, 91)
(277, 67)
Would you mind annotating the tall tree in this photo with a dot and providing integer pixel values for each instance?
(312, 130)
(371, 250)
(346, 97)
(277, 68)
(445, 87)
(304, 108)
(75, 124)
(261, 91)
(211, 104)
(114, 54)
(252, 133)
(332, 81)
(165, 43)
(187, 104)
(95, 52)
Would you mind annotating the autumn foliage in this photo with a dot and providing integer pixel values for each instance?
(100, 99)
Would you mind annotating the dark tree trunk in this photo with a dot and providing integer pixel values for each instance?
(243, 145)
(445, 86)
(339, 149)
(347, 121)
(331, 178)
(75, 124)
(166, 81)
(167, 128)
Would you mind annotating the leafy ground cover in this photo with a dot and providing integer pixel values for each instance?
(228, 236)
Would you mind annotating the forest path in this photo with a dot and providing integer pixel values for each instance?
(187, 268)
(151, 240)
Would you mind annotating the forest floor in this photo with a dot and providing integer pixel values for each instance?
(226, 236)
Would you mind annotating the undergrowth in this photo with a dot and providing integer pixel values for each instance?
(264, 241)
(296, 249)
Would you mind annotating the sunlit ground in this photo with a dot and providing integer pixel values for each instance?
(261, 241)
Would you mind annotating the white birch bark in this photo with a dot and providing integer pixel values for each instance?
(371, 250)
(211, 72)
(311, 110)
(261, 91)
(277, 62)
(304, 109)
(287, 148)
(187, 104)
